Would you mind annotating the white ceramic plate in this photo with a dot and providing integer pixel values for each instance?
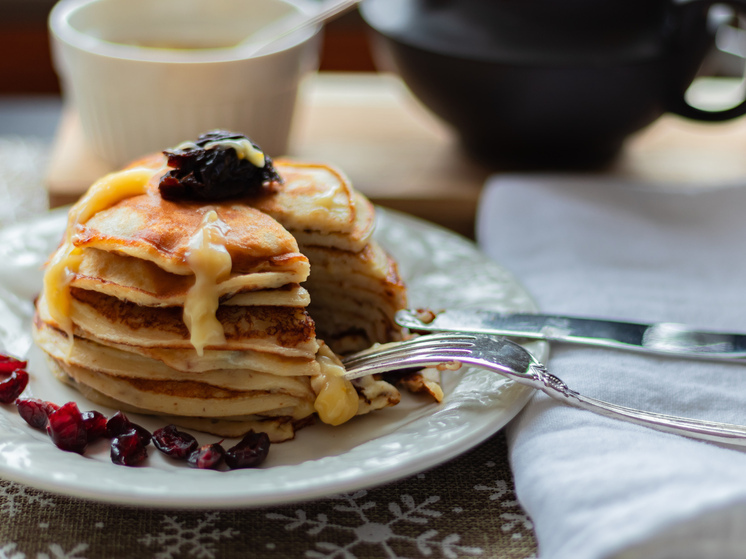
(441, 270)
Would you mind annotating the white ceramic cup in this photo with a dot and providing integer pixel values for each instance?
(145, 75)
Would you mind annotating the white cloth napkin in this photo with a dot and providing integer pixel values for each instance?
(595, 487)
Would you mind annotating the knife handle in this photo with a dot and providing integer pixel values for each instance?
(662, 338)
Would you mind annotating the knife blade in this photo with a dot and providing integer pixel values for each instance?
(664, 338)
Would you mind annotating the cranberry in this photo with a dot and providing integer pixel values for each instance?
(11, 387)
(67, 429)
(174, 443)
(127, 449)
(9, 364)
(120, 424)
(95, 424)
(35, 411)
(249, 453)
(207, 457)
(117, 424)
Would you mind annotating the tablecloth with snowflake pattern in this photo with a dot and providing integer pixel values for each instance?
(465, 508)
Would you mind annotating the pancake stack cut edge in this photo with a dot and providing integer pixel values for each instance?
(213, 314)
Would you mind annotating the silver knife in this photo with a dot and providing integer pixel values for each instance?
(667, 338)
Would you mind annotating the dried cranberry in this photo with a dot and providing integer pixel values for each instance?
(174, 443)
(216, 173)
(249, 453)
(120, 424)
(127, 449)
(95, 424)
(35, 411)
(9, 364)
(117, 424)
(67, 428)
(11, 387)
(207, 457)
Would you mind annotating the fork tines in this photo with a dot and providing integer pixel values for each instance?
(423, 351)
(427, 342)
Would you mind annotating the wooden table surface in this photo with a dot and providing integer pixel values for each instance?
(403, 157)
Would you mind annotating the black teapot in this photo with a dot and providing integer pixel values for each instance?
(556, 83)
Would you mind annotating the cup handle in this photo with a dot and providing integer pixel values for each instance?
(679, 104)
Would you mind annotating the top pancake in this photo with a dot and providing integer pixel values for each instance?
(150, 228)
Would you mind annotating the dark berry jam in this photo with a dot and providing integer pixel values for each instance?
(212, 169)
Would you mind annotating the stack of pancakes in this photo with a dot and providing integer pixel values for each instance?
(213, 313)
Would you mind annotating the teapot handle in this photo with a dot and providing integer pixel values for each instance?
(678, 104)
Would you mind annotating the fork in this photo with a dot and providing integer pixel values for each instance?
(507, 358)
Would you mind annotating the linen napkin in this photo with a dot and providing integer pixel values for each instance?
(597, 487)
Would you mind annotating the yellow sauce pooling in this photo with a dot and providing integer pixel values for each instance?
(327, 200)
(336, 398)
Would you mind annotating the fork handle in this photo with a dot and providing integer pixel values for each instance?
(694, 428)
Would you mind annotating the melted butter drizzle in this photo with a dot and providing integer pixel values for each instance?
(61, 269)
(211, 263)
(336, 399)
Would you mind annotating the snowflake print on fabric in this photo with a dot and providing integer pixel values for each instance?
(58, 553)
(177, 540)
(499, 490)
(13, 496)
(8, 551)
(380, 534)
(516, 518)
